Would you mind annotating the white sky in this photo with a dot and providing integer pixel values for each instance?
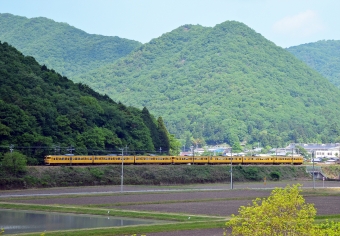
(285, 22)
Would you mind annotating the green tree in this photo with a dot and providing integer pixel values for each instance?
(237, 147)
(284, 212)
(152, 126)
(164, 140)
(302, 151)
(175, 145)
(14, 163)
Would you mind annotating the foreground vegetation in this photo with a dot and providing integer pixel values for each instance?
(284, 212)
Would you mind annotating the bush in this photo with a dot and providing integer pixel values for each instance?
(97, 173)
(252, 173)
(14, 163)
(284, 212)
(275, 175)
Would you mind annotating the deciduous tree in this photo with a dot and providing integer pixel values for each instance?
(14, 163)
(284, 212)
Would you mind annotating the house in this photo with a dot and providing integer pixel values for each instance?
(327, 150)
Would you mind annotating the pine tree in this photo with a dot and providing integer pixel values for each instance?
(164, 140)
(152, 126)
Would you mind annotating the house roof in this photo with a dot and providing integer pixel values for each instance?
(314, 146)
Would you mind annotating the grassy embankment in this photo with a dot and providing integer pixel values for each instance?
(56, 176)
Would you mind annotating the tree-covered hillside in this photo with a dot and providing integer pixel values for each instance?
(64, 48)
(40, 109)
(224, 84)
(323, 56)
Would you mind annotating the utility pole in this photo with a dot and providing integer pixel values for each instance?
(122, 174)
(313, 170)
(11, 148)
(193, 154)
(70, 149)
(231, 168)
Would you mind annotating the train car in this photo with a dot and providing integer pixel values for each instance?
(141, 160)
(182, 160)
(282, 160)
(67, 160)
(215, 160)
(297, 160)
(102, 160)
(199, 160)
(258, 160)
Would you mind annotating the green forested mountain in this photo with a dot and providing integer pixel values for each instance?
(40, 108)
(64, 48)
(323, 56)
(224, 84)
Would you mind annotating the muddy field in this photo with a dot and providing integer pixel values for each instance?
(214, 200)
(205, 203)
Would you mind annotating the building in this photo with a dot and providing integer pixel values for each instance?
(327, 150)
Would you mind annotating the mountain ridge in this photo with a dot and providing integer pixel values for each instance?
(323, 56)
(225, 83)
(194, 72)
(61, 46)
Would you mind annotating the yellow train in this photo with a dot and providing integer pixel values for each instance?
(168, 160)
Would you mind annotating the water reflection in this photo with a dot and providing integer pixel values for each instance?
(14, 221)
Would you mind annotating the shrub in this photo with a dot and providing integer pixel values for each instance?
(275, 175)
(284, 212)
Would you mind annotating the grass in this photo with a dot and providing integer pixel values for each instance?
(180, 221)
(139, 230)
(113, 212)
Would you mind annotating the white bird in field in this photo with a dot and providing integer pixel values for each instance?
(189, 218)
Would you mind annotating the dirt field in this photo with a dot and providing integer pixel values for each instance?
(215, 200)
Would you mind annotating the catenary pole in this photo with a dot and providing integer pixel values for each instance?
(122, 176)
(231, 168)
(313, 171)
